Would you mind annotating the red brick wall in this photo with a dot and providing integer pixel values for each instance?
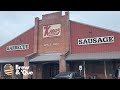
(79, 31)
(61, 41)
(26, 38)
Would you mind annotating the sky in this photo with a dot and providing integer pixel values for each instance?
(14, 23)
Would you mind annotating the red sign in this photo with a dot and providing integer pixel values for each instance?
(51, 30)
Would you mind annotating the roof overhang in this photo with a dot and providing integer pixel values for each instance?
(46, 57)
(12, 59)
(94, 56)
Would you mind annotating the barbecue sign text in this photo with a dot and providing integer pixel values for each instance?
(96, 40)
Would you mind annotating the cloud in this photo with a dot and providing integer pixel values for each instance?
(14, 23)
(105, 19)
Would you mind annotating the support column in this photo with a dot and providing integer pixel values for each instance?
(34, 72)
(26, 63)
(39, 71)
(84, 69)
(62, 64)
(30, 69)
(2, 71)
(13, 74)
(67, 67)
(105, 70)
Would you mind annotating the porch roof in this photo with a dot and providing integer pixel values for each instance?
(94, 56)
(46, 57)
(12, 59)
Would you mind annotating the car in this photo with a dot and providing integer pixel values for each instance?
(68, 75)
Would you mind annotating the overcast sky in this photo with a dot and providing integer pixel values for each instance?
(14, 23)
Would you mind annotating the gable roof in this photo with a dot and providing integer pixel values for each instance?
(17, 36)
(95, 27)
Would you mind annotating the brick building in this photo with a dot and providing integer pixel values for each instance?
(57, 44)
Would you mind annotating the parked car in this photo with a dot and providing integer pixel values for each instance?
(68, 75)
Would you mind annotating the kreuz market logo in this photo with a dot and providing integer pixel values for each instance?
(51, 30)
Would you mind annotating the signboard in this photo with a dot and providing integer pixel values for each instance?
(17, 47)
(51, 30)
(80, 67)
(96, 40)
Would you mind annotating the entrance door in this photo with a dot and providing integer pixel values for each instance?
(50, 70)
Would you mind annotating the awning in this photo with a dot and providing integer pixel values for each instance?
(94, 56)
(46, 57)
(12, 59)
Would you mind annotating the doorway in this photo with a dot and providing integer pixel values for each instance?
(50, 70)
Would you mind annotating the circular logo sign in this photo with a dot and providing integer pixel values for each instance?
(8, 69)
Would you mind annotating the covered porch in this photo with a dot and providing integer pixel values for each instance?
(99, 65)
(13, 61)
(45, 66)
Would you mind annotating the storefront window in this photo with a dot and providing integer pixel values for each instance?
(95, 67)
(109, 67)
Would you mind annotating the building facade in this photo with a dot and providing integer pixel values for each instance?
(57, 44)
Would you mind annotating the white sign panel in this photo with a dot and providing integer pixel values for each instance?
(51, 30)
(96, 40)
(80, 67)
(17, 47)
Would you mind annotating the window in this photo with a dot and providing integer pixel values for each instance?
(95, 67)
